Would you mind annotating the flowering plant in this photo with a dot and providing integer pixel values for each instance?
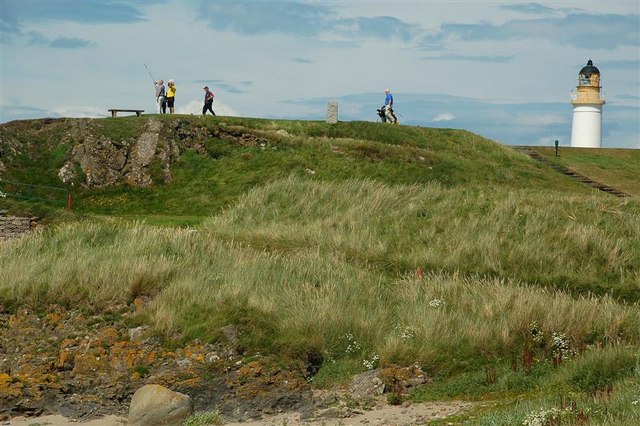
(436, 303)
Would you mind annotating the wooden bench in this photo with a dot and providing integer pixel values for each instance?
(114, 111)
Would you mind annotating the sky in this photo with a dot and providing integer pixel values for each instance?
(501, 69)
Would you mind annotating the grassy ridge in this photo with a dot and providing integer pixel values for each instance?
(205, 183)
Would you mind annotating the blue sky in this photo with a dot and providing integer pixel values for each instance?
(502, 69)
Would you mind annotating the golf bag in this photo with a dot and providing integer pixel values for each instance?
(381, 114)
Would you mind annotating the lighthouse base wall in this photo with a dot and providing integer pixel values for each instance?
(586, 129)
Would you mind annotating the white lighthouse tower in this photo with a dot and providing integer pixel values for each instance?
(586, 130)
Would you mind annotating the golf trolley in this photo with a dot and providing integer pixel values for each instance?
(383, 115)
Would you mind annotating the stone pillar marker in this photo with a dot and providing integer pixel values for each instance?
(332, 112)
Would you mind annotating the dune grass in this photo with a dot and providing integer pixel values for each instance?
(308, 299)
(468, 332)
(599, 388)
(582, 244)
(348, 254)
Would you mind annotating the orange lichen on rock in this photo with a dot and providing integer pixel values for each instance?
(11, 386)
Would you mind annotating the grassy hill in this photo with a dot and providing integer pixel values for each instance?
(502, 279)
(205, 182)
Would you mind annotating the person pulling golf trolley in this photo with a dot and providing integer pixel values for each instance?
(386, 111)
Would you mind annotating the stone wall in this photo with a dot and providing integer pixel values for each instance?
(13, 227)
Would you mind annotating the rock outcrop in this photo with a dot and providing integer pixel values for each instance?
(96, 154)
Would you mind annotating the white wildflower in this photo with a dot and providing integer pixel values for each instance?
(352, 344)
(436, 303)
(408, 333)
(372, 363)
(560, 344)
(545, 417)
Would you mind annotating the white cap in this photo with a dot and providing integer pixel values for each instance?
(170, 81)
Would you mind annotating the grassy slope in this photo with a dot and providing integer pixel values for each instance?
(334, 221)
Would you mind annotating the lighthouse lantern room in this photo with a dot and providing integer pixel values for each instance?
(586, 130)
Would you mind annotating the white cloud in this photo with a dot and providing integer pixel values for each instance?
(447, 116)
(80, 111)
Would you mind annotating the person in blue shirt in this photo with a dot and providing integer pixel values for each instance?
(388, 107)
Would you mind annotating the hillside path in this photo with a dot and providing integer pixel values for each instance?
(571, 173)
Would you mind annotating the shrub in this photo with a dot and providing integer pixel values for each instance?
(210, 418)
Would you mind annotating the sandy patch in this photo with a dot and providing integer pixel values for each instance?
(408, 415)
(414, 414)
(63, 421)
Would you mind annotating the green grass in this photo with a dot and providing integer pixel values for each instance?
(210, 418)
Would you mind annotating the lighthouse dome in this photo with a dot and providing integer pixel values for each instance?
(589, 69)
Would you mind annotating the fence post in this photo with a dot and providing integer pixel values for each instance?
(69, 202)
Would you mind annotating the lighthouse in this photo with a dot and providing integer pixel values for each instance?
(586, 130)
